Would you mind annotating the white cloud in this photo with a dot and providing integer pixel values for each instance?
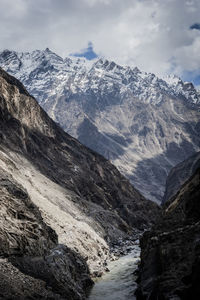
(152, 34)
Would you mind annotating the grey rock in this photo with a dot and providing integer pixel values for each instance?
(86, 202)
(170, 251)
(179, 175)
(143, 124)
(32, 264)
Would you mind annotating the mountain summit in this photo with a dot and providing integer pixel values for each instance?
(143, 124)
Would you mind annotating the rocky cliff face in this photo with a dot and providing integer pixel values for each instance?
(32, 264)
(170, 264)
(75, 191)
(143, 124)
(180, 174)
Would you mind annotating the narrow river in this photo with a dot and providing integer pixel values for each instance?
(119, 283)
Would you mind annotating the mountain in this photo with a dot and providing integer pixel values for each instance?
(170, 265)
(62, 204)
(180, 174)
(143, 124)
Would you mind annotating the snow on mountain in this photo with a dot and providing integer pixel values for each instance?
(144, 124)
(86, 74)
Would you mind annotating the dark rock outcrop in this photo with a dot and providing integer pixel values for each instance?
(170, 257)
(22, 229)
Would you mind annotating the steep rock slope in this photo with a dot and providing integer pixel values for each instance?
(32, 264)
(80, 194)
(170, 257)
(180, 174)
(143, 124)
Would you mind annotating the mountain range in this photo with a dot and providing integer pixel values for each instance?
(143, 124)
(63, 206)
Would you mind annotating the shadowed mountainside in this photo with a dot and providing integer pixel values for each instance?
(180, 174)
(170, 264)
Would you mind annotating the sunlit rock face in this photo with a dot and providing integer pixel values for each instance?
(143, 124)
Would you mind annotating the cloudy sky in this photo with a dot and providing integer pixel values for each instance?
(160, 36)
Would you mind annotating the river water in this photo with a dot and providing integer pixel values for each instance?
(119, 283)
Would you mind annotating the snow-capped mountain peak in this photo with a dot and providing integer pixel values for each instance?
(144, 85)
(142, 123)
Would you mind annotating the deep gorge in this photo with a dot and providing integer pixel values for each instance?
(67, 213)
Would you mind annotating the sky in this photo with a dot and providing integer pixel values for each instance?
(158, 36)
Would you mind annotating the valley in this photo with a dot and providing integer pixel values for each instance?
(68, 216)
(99, 150)
(80, 197)
(143, 124)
